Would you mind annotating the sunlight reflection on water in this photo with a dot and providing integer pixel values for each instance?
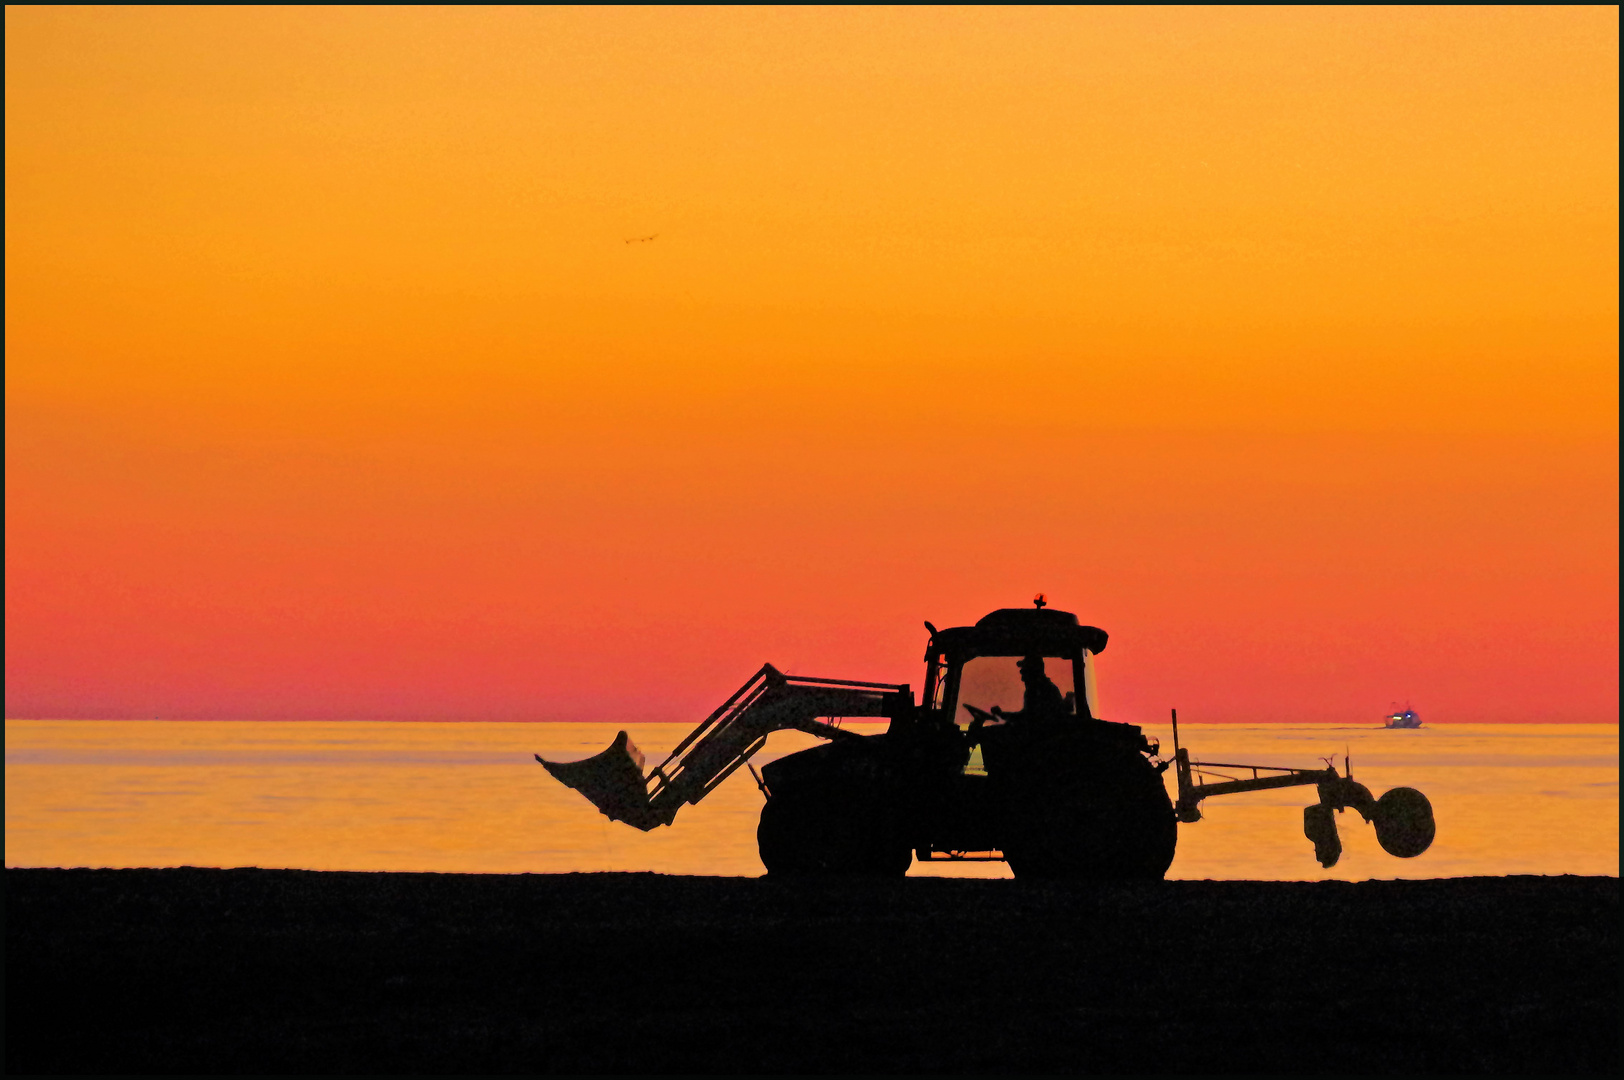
(468, 797)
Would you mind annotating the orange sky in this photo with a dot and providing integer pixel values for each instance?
(1283, 344)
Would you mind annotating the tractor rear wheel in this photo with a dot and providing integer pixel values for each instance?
(1087, 813)
(823, 835)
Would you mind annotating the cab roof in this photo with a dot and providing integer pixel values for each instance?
(1020, 632)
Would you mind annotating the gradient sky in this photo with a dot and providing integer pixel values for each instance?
(1283, 344)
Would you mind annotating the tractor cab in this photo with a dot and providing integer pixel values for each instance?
(993, 666)
(1018, 674)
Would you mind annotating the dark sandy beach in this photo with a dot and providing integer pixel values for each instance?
(258, 970)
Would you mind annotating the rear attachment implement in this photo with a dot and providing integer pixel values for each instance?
(1402, 817)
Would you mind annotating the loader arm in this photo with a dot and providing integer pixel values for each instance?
(770, 701)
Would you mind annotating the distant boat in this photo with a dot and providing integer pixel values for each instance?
(1407, 718)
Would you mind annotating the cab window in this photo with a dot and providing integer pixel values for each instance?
(996, 680)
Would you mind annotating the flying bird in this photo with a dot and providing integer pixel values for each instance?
(641, 239)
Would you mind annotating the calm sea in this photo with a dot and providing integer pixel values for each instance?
(468, 797)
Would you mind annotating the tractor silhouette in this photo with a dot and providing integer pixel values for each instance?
(1050, 787)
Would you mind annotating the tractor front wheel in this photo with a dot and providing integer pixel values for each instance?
(820, 836)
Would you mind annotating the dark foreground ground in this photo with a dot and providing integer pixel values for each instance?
(258, 970)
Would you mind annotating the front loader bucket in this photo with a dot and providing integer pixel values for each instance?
(612, 781)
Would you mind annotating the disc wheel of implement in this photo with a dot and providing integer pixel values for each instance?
(827, 834)
(1086, 812)
(1404, 823)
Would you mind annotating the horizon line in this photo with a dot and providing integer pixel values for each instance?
(508, 720)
